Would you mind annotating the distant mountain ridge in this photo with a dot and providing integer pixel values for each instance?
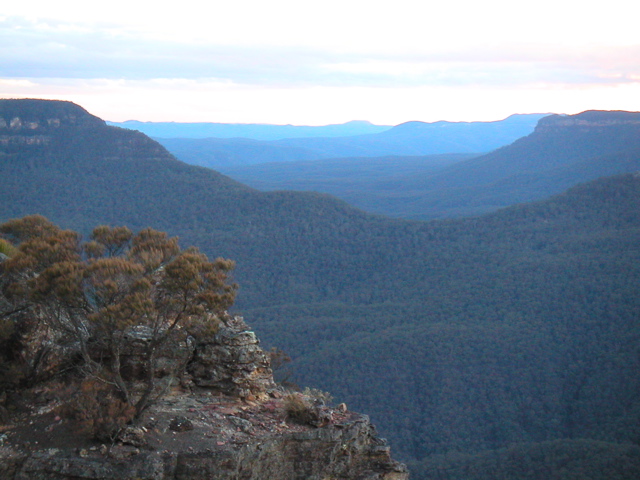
(562, 151)
(254, 131)
(411, 138)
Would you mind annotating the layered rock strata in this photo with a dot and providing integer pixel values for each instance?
(229, 421)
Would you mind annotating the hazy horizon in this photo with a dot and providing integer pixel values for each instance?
(355, 121)
(310, 63)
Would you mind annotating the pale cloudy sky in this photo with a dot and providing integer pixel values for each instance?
(318, 62)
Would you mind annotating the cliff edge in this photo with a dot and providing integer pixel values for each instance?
(226, 419)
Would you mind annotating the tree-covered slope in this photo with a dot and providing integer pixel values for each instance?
(79, 177)
(411, 138)
(521, 326)
(374, 184)
(553, 460)
(462, 335)
(561, 152)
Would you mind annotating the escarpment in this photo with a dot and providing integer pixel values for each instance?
(32, 122)
(588, 120)
(225, 418)
(30, 125)
(37, 116)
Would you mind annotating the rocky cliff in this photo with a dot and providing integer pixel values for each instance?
(591, 119)
(27, 115)
(226, 420)
(218, 449)
(31, 122)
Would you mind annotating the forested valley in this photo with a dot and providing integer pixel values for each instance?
(482, 347)
(552, 158)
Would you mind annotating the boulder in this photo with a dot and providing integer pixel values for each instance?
(232, 362)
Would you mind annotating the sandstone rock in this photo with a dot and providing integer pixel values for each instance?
(134, 436)
(11, 461)
(241, 424)
(232, 362)
(63, 466)
(349, 451)
(181, 424)
(222, 435)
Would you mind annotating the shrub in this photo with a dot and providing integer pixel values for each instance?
(99, 411)
(6, 248)
(12, 372)
(299, 409)
(318, 396)
(93, 293)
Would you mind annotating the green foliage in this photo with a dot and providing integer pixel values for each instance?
(32, 227)
(552, 460)
(519, 326)
(461, 335)
(41, 111)
(410, 138)
(6, 248)
(95, 293)
(534, 167)
(203, 327)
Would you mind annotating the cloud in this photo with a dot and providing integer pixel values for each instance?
(58, 49)
(291, 61)
(16, 83)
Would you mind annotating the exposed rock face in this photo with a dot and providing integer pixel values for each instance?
(226, 439)
(588, 120)
(233, 423)
(232, 362)
(31, 122)
(348, 450)
(31, 116)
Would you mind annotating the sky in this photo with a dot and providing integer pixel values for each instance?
(322, 62)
